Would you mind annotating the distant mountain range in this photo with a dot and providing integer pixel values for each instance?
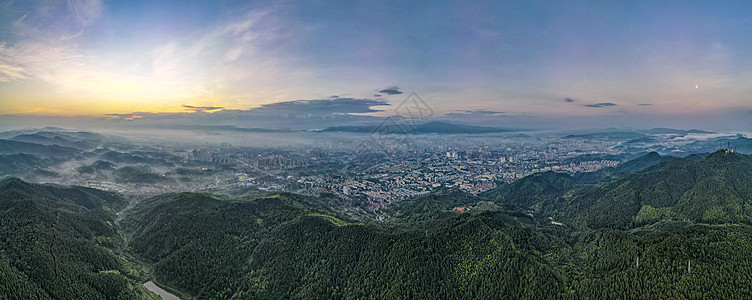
(232, 128)
(739, 143)
(49, 151)
(619, 135)
(78, 140)
(635, 136)
(674, 131)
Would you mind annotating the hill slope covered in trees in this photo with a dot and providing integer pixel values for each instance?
(61, 243)
(716, 189)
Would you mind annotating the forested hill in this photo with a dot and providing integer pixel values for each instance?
(715, 189)
(73, 198)
(271, 247)
(61, 243)
(203, 244)
(532, 190)
(621, 170)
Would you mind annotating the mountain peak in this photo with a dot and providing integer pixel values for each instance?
(725, 155)
(10, 181)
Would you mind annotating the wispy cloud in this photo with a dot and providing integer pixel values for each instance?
(85, 11)
(48, 50)
(644, 104)
(568, 100)
(9, 71)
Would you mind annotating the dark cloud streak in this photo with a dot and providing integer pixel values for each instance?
(475, 113)
(391, 91)
(202, 108)
(602, 104)
(321, 107)
(484, 112)
(298, 114)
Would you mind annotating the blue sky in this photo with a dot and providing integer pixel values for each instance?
(646, 58)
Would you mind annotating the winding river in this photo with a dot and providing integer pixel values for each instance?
(151, 286)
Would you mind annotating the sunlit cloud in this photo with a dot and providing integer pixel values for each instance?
(57, 60)
(9, 72)
(231, 60)
(126, 117)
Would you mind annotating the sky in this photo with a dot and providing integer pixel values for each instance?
(469, 60)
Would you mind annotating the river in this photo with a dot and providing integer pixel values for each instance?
(151, 286)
